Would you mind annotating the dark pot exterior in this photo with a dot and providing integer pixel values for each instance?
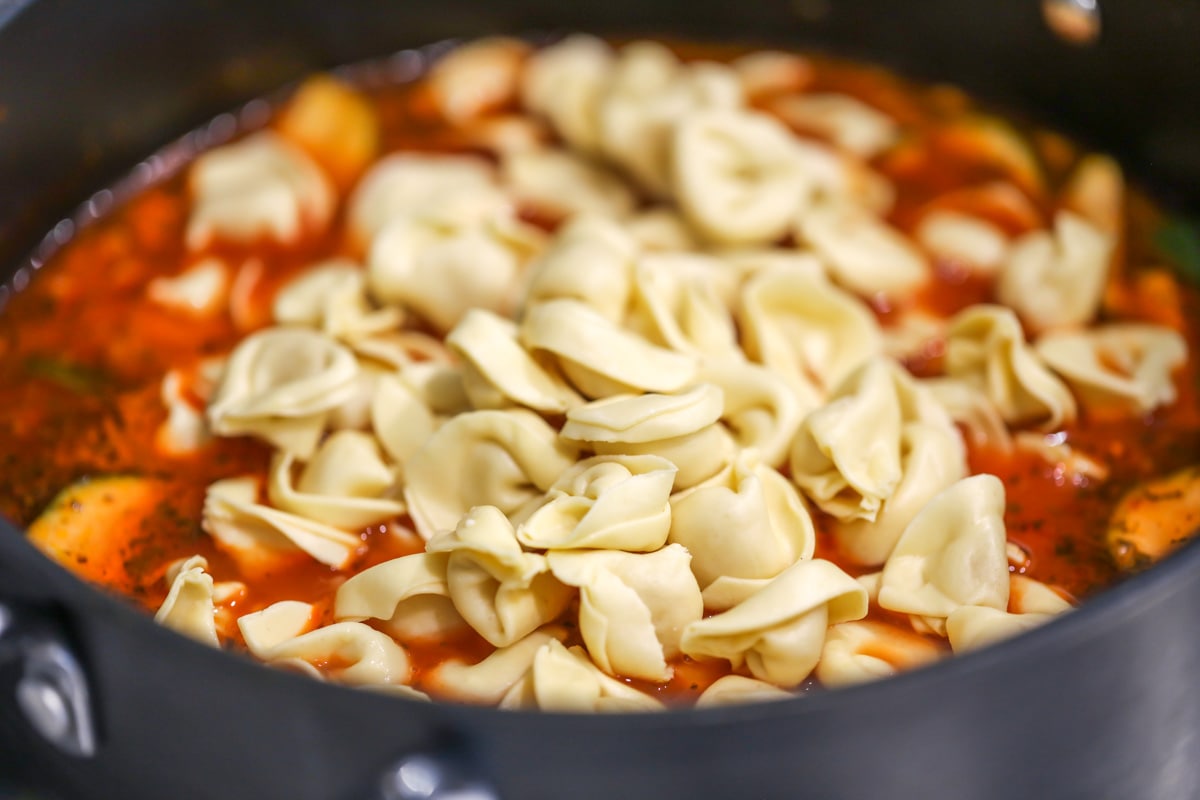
(1099, 704)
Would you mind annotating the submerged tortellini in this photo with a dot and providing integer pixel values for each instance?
(260, 187)
(1117, 367)
(1056, 280)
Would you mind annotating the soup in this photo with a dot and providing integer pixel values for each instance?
(600, 377)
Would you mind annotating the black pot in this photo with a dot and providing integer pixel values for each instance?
(1098, 704)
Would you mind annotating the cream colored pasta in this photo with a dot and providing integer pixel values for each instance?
(748, 522)
(682, 301)
(847, 455)
(267, 628)
(972, 627)
(863, 253)
(856, 652)
(761, 409)
(736, 175)
(590, 260)
(332, 297)
(599, 358)
(951, 555)
(501, 591)
(496, 458)
(189, 607)
(646, 94)
(488, 681)
(972, 242)
(200, 290)
(255, 532)
(365, 657)
(564, 184)
(441, 271)
(732, 690)
(682, 428)
(1056, 280)
(280, 384)
(478, 76)
(605, 502)
(261, 186)
(986, 348)
(409, 595)
(779, 631)
(562, 679)
(1123, 367)
(499, 373)
(847, 122)
(344, 484)
(563, 82)
(453, 190)
(804, 328)
(632, 607)
(932, 457)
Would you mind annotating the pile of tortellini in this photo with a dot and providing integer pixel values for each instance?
(612, 437)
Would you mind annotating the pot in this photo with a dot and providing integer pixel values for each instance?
(99, 701)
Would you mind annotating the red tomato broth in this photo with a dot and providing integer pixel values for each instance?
(88, 315)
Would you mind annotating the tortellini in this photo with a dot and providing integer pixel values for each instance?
(262, 186)
(189, 606)
(779, 631)
(408, 594)
(451, 190)
(494, 458)
(864, 254)
(804, 328)
(590, 260)
(280, 384)
(986, 348)
(344, 484)
(1057, 280)
(633, 608)
(736, 175)
(1123, 367)
(562, 679)
(683, 428)
(606, 502)
(559, 181)
(503, 592)
(748, 522)
(441, 271)
(498, 372)
(951, 555)
(254, 532)
(363, 656)
(598, 357)
(847, 455)
(856, 652)
(332, 297)
(847, 122)
(648, 92)
(488, 681)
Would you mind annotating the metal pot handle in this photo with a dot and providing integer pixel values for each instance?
(433, 775)
(52, 692)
